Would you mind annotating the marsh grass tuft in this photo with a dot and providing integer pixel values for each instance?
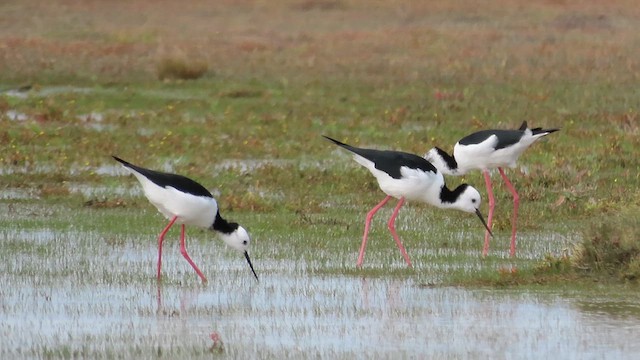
(611, 246)
(180, 67)
(554, 265)
(609, 252)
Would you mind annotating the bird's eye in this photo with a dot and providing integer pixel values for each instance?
(244, 242)
(473, 201)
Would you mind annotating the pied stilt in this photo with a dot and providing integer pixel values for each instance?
(184, 201)
(409, 177)
(485, 150)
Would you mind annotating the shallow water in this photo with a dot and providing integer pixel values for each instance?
(93, 294)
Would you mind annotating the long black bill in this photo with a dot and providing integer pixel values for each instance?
(483, 222)
(246, 255)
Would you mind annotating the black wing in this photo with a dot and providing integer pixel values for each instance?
(390, 161)
(506, 138)
(179, 182)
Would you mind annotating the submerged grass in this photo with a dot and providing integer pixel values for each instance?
(611, 246)
(181, 68)
(609, 252)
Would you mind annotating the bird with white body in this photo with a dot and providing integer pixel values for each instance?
(406, 176)
(186, 202)
(485, 150)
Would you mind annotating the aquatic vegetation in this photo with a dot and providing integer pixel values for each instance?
(611, 245)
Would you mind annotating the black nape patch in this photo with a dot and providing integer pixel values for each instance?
(449, 196)
(223, 226)
(451, 162)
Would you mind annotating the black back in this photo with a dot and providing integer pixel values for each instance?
(179, 182)
(389, 161)
(506, 138)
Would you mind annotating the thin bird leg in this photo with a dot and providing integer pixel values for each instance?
(514, 220)
(492, 203)
(367, 223)
(183, 251)
(159, 297)
(392, 228)
(160, 239)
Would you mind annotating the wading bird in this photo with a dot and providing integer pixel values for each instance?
(409, 177)
(186, 202)
(485, 150)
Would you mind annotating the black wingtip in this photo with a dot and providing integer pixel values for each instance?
(120, 160)
(333, 140)
(537, 131)
(339, 143)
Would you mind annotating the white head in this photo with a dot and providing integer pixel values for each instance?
(444, 162)
(239, 239)
(466, 198)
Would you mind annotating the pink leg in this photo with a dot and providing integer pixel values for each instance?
(392, 228)
(160, 239)
(367, 223)
(492, 203)
(183, 251)
(514, 220)
(159, 297)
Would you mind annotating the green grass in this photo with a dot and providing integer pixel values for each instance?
(373, 82)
